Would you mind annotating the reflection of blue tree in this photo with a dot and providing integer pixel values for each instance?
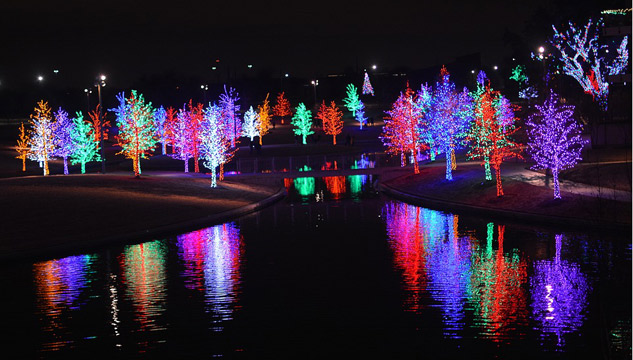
(559, 295)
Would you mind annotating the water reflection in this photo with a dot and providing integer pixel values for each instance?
(559, 294)
(145, 278)
(212, 265)
(477, 283)
(59, 286)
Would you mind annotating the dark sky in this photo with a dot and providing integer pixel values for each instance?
(128, 39)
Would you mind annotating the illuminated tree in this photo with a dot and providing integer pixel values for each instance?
(100, 124)
(489, 135)
(302, 120)
(367, 88)
(449, 116)
(360, 115)
(332, 118)
(42, 138)
(171, 121)
(554, 138)
(193, 132)
(581, 55)
(250, 128)
(160, 123)
(282, 109)
(352, 101)
(181, 137)
(401, 133)
(423, 104)
(232, 123)
(61, 132)
(525, 90)
(84, 148)
(214, 147)
(137, 136)
(265, 118)
(23, 146)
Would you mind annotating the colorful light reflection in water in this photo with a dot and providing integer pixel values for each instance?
(144, 276)
(59, 285)
(212, 265)
(478, 284)
(559, 295)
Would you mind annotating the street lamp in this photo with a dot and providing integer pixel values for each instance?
(101, 83)
(204, 88)
(495, 67)
(373, 67)
(40, 78)
(315, 83)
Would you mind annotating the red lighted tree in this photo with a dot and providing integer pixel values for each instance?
(401, 132)
(282, 109)
(332, 118)
(490, 133)
(194, 129)
(171, 121)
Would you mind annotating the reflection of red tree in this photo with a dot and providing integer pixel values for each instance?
(335, 185)
(409, 252)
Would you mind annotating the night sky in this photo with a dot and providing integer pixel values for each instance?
(130, 39)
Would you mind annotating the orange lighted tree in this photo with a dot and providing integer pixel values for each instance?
(264, 119)
(282, 109)
(332, 118)
(23, 146)
(100, 124)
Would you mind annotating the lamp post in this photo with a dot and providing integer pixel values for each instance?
(101, 82)
(315, 83)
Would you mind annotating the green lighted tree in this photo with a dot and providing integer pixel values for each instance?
(352, 101)
(84, 148)
(302, 120)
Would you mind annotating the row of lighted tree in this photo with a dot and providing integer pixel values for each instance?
(441, 119)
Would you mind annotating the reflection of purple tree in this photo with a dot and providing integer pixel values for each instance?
(212, 264)
(559, 295)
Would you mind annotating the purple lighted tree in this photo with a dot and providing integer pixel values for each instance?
(160, 117)
(554, 138)
(230, 108)
(61, 131)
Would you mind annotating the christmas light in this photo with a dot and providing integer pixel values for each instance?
(302, 121)
(580, 54)
(401, 132)
(136, 128)
(554, 138)
(42, 138)
(449, 117)
(250, 127)
(61, 132)
(525, 90)
(332, 118)
(160, 118)
(181, 138)
(265, 119)
(282, 108)
(23, 146)
(215, 147)
(489, 134)
(84, 148)
(352, 101)
(367, 88)
(100, 124)
(230, 108)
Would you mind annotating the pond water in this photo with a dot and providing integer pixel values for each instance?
(335, 269)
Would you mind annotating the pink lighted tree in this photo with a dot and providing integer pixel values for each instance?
(555, 139)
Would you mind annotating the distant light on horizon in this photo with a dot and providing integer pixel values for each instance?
(250, 66)
(40, 78)
(286, 75)
(496, 67)
(56, 71)
(374, 67)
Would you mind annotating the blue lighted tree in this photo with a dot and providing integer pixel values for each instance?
(160, 117)
(449, 116)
